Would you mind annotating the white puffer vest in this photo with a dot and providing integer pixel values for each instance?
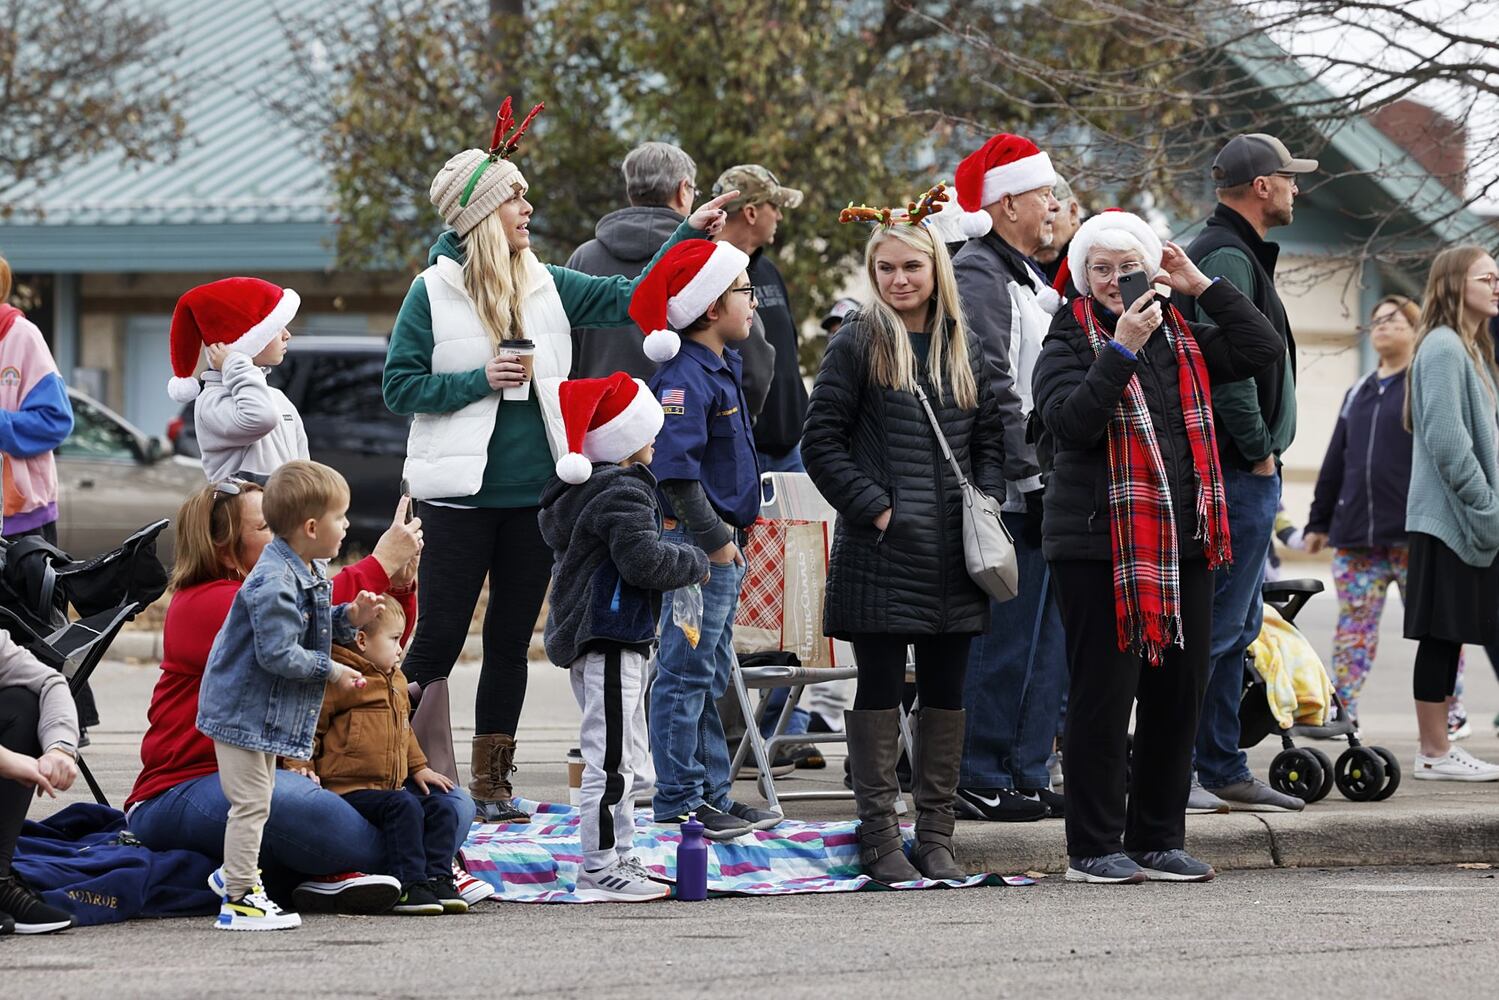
(446, 452)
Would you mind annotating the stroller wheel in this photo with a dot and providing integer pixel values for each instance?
(1360, 774)
(1327, 774)
(1296, 772)
(1391, 773)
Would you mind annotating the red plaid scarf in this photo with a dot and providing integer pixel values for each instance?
(1147, 581)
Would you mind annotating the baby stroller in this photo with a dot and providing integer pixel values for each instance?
(38, 584)
(1362, 773)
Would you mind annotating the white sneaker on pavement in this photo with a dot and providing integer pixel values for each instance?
(1457, 765)
(621, 882)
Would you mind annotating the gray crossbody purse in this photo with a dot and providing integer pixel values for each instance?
(988, 549)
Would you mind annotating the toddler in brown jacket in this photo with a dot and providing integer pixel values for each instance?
(366, 751)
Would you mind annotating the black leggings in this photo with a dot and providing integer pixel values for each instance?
(463, 546)
(1435, 676)
(20, 712)
(941, 663)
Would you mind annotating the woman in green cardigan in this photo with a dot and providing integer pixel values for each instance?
(486, 430)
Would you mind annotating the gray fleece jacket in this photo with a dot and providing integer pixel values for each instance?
(245, 427)
(59, 719)
(610, 564)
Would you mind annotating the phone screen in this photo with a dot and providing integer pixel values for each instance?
(1132, 286)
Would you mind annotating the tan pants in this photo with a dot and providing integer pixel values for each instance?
(247, 777)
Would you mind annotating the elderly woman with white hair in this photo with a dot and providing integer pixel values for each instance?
(1135, 523)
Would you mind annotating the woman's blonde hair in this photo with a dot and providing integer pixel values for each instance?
(209, 525)
(892, 363)
(1442, 305)
(496, 279)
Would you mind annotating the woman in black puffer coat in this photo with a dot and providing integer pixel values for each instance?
(1135, 521)
(897, 574)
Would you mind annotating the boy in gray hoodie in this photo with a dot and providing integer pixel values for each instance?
(601, 519)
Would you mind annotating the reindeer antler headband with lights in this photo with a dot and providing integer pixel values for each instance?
(914, 213)
(501, 144)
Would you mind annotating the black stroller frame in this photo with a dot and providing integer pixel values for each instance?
(38, 582)
(1362, 773)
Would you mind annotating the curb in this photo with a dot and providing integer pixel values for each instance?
(1312, 839)
(145, 645)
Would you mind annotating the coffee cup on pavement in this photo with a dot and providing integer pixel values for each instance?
(524, 352)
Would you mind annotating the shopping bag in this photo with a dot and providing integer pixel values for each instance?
(780, 603)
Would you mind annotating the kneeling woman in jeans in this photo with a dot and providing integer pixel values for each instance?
(177, 801)
(1136, 521)
(897, 575)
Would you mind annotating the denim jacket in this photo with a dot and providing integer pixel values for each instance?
(263, 686)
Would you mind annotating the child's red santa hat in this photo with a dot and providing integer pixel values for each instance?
(243, 314)
(1006, 164)
(607, 420)
(684, 283)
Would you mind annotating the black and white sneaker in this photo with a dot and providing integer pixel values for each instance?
(717, 824)
(998, 805)
(27, 911)
(625, 881)
(419, 901)
(346, 892)
(1054, 802)
(758, 819)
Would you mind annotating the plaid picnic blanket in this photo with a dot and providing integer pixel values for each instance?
(537, 862)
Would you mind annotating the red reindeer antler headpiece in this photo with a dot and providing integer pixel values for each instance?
(499, 144)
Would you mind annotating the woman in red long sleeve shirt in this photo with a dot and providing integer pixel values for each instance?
(177, 801)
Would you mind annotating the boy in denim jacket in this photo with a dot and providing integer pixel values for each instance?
(601, 520)
(263, 686)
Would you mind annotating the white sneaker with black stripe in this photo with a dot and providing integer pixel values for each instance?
(625, 881)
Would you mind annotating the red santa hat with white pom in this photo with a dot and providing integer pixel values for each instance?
(687, 279)
(243, 314)
(607, 420)
(1006, 164)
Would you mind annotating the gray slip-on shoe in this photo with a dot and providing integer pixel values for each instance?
(1172, 866)
(1256, 796)
(1200, 801)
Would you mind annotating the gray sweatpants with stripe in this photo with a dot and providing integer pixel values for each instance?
(610, 689)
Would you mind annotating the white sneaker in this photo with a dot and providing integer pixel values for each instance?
(625, 881)
(473, 890)
(1457, 765)
(255, 911)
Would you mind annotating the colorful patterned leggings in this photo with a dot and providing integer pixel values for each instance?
(1362, 577)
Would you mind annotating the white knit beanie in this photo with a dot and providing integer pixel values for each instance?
(1136, 228)
(500, 181)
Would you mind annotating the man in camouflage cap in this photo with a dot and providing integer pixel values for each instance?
(751, 226)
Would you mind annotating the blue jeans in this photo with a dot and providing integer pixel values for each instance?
(1238, 611)
(1017, 678)
(420, 833)
(311, 830)
(789, 462)
(771, 711)
(687, 740)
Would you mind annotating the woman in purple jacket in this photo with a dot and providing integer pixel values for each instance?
(1359, 505)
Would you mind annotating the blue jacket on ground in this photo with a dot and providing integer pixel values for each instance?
(1361, 491)
(263, 686)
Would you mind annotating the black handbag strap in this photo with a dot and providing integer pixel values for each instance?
(941, 438)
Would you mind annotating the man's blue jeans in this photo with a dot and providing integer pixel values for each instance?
(311, 830)
(687, 740)
(1017, 678)
(1237, 614)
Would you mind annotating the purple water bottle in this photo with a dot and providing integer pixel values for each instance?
(692, 861)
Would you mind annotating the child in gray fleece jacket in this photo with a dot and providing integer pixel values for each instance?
(601, 520)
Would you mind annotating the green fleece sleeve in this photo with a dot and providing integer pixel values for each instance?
(1236, 405)
(593, 301)
(409, 384)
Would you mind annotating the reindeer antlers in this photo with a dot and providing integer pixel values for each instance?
(915, 211)
(499, 144)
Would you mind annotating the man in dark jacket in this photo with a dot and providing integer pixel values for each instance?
(1017, 671)
(751, 226)
(659, 185)
(1255, 176)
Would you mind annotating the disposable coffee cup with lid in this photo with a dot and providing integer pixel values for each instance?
(525, 354)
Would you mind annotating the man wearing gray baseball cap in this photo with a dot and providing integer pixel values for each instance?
(1255, 177)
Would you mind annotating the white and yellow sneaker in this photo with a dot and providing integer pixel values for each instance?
(255, 911)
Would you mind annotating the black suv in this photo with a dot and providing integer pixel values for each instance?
(334, 382)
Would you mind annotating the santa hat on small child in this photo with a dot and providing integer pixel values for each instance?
(1006, 164)
(1128, 224)
(607, 420)
(687, 279)
(243, 314)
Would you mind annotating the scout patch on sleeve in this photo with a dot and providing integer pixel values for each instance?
(674, 401)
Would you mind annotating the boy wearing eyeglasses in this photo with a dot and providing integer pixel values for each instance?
(709, 478)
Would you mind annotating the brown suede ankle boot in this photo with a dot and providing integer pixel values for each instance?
(493, 763)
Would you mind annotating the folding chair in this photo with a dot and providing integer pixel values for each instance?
(792, 495)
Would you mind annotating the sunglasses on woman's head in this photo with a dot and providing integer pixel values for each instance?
(227, 488)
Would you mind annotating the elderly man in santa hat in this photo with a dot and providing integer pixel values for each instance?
(1018, 670)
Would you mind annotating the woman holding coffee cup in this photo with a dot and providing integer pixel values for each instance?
(481, 343)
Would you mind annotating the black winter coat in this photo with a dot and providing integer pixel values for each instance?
(1078, 393)
(869, 448)
(1361, 490)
